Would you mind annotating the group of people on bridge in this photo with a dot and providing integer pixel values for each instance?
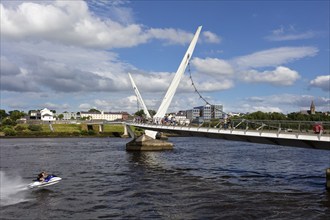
(171, 120)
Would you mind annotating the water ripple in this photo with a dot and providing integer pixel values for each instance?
(200, 179)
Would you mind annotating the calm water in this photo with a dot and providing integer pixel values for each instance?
(200, 179)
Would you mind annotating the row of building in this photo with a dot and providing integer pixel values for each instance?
(198, 114)
(48, 115)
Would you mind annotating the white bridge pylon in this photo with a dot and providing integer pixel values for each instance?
(177, 78)
(139, 97)
(171, 89)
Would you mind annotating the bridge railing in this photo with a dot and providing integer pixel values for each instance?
(299, 127)
(278, 126)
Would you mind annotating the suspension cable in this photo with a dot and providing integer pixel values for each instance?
(201, 97)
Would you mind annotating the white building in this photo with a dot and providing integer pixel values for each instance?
(181, 118)
(70, 115)
(47, 115)
(108, 116)
(205, 112)
(193, 114)
(217, 111)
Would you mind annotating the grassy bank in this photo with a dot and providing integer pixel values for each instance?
(64, 130)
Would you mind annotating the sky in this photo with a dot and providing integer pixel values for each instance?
(270, 56)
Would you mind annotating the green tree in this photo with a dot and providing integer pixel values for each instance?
(20, 128)
(9, 122)
(9, 131)
(94, 110)
(35, 128)
(152, 112)
(277, 116)
(141, 113)
(3, 114)
(16, 114)
(60, 116)
(259, 115)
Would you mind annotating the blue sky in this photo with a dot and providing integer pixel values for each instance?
(251, 55)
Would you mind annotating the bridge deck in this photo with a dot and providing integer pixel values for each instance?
(305, 140)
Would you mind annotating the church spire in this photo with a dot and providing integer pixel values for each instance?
(312, 109)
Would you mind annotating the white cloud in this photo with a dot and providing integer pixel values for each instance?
(246, 68)
(289, 33)
(151, 82)
(171, 35)
(212, 66)
(274, 57)
(37, 61)
(322, 82)
(85, 106)
(297, 36)
(211, 37)
(15, 78)
(115, 9)
(282, 76)
(210, 86)
(125, 103)
(265, 109)
(54, 106)
(102, 104)
(79, 27)
(246, 107)
(284, 103)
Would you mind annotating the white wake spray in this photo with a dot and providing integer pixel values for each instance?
(13, 189)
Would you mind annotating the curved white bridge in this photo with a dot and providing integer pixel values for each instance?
(318, 141)
(304, 140)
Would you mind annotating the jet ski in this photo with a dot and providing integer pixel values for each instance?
(49, 180)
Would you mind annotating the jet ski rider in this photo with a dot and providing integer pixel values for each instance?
(42, 176)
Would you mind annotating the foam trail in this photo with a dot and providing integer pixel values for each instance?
(13, 189)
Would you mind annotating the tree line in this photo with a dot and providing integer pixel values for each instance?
(294, 116)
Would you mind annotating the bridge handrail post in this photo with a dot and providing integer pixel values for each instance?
(279, 129)
(320, 134)
(262, 128)
(200, 126)
(299, 128)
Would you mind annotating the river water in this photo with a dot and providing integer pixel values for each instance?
(201, 178)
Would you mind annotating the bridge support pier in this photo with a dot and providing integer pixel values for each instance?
(127, 131)
(146, 143)
(328, 179)
(101, 128)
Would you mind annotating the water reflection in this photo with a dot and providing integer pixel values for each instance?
(148, 159)
(200, 179)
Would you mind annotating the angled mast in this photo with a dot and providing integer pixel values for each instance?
(176, 80)
(139, 97)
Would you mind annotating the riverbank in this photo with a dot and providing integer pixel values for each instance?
(63, 135)
(63, 130)
(69, 130)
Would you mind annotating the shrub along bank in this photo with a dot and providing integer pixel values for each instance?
(61, 130)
